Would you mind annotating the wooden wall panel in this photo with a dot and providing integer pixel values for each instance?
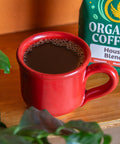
(19, 15)
(57, 12)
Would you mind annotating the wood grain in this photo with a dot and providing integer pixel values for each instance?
(103, 109)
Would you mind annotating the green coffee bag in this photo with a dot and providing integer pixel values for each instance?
(99, 26)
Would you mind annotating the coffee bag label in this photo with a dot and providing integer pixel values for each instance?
(99, 26)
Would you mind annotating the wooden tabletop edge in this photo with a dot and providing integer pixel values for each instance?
(110, 124)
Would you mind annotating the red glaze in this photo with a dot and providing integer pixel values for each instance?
(62, 93)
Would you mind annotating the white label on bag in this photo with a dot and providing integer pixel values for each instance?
(105, 52)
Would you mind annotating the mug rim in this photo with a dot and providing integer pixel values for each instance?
(52, 34)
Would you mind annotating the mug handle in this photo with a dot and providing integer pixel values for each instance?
(105, 88)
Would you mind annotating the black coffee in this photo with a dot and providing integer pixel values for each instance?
(54, 56)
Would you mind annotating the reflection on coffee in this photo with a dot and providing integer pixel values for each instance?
(54, 56)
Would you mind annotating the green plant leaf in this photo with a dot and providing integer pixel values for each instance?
(12, 139)
(45, 141)
(9, 130)
(107, 139)
(35, 119)
(35, 126)
(87, 133)
(80, 125)
(4, 62)
(84, 138)
(33, 133)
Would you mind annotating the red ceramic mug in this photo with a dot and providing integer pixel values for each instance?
(62, 93)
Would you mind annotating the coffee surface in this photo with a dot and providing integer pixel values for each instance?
(54, 56)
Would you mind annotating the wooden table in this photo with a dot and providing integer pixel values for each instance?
(105, 110)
